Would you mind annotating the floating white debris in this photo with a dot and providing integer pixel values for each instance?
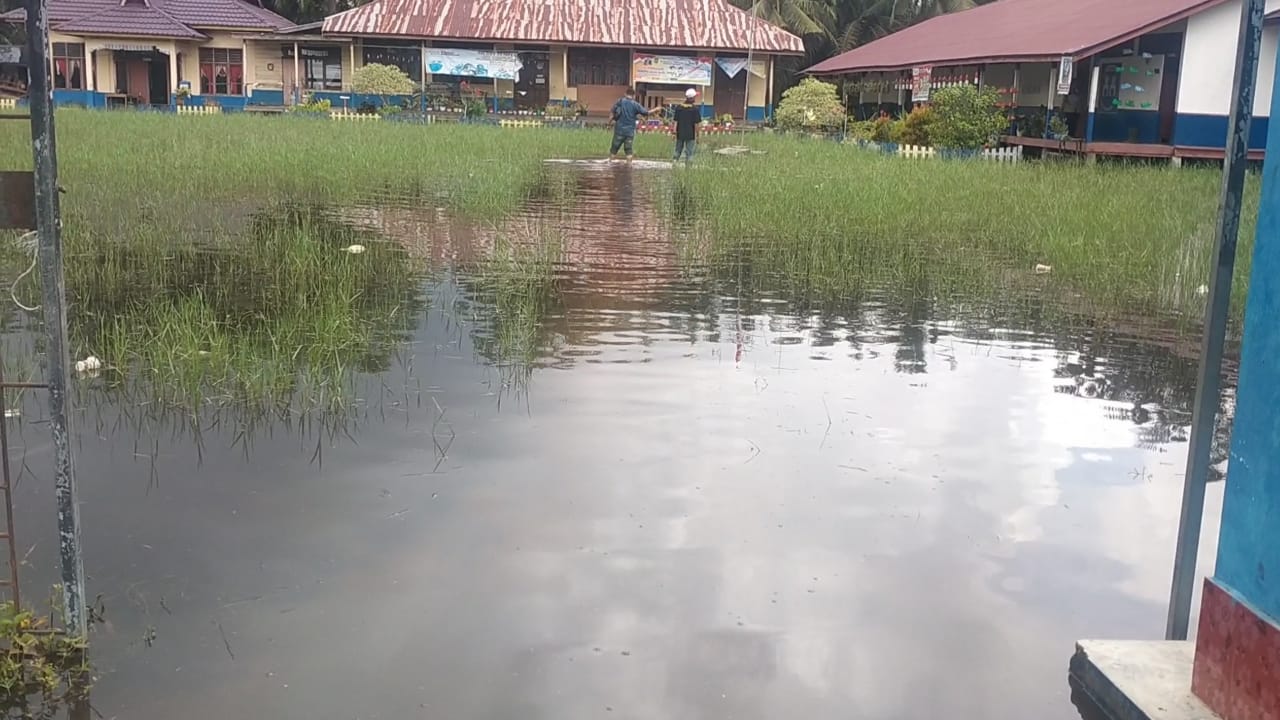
(354, 249)
(90, 364)
(1044, 269)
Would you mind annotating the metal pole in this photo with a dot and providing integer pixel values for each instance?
(49, 232)
(751, 46)
(1215, 326)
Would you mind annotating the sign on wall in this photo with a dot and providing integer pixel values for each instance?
(921, 83)
(473, 63)
(672, 69)
(1066, 74)
(1130, 83)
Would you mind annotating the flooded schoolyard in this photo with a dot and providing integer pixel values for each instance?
(619, 478)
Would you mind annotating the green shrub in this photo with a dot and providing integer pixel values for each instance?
(382, 80)
(915, 127)
(811, 105)
(310, 105)
(966, 118)
(882, 129)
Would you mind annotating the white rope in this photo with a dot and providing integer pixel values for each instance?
(29, 243)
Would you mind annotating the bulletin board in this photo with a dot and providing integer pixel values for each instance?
(1130, 83)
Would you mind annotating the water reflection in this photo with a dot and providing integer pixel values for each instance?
(723, 491)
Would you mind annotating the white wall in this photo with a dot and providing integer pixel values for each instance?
(1208, 62)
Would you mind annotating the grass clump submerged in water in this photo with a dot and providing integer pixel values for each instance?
(281, 317)
(516, 292)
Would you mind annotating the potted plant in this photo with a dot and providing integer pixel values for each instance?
(183, 94)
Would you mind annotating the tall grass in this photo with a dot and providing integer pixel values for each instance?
(827, 216)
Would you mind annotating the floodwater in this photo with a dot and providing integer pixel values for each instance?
(689, 496)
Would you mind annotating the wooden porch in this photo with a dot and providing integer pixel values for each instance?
(1150, 151)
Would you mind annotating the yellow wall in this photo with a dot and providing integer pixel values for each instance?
(558, 70)
(261, 54)
(758, 85)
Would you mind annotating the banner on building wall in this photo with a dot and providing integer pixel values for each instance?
(732, 66)
(672, 69)
(1066, 74)
(10, 54)
(921, 83)
(473, 63)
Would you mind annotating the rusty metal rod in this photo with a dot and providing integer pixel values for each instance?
(7, 480)
(49, 232)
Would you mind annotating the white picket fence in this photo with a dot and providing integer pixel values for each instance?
(199, 110)
(1003, 154)
(348, 115)
(8, 103)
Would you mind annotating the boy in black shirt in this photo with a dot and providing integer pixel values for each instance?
(687, 117)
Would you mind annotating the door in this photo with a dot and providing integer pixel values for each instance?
(159, 79)
(288, 83)
(730, 92)
(533, 89)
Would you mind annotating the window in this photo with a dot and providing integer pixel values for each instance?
(321, 66)
(408, 59)
(592, 66)
(68, 66)
(221, 71)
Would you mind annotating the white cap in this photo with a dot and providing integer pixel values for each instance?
(691, 93)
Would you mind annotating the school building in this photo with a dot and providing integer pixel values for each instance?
(517, 55)
(1142, 78)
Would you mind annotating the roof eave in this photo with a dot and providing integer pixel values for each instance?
(1040, 57)
(133, 36)
(566, 43)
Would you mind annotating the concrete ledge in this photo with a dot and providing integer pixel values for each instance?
(1138, 680)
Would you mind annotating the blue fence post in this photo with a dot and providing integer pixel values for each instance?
(1208, 389)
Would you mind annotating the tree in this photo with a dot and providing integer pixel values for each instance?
(305, 11)
(811, 105)
(966, 118)
(832, 26)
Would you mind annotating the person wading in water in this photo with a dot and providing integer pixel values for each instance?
(625, 112)
(687, 117)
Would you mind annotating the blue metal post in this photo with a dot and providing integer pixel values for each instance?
(1208, 390)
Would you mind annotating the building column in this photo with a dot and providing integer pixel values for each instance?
(297, 79)
(1053, 96)
(1094, 78)
(422, 68)
(173, 71)
(1237, 662)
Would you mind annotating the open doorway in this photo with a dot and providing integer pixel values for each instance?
(532, 87)
(143, 77)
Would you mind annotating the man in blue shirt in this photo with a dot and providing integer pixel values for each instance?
(625, 112)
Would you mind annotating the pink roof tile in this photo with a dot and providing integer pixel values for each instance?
(235, 14)
(1014, 31)
(134, 19)
(698, 24)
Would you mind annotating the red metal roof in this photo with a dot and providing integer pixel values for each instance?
(1014, 31)
(121, 18)
(697, 24)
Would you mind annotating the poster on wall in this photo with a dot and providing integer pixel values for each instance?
(732, 66)
(672, 69)
(1130, 83)
(921, 83)
(1066, 74)
(473, 63)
